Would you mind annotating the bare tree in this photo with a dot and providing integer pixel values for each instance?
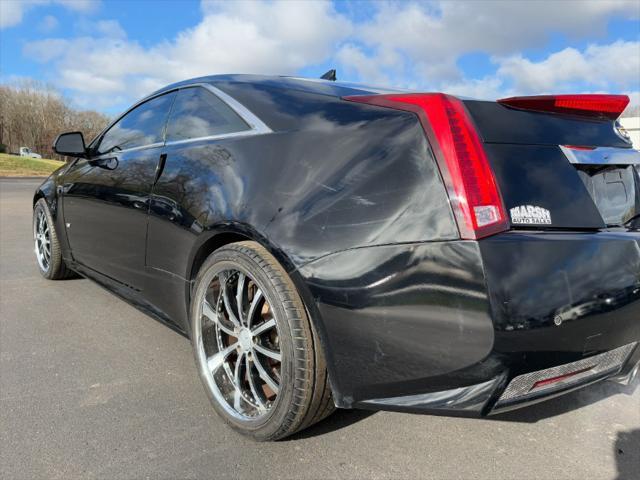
(33, 113)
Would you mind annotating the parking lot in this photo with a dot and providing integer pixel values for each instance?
(92, 388)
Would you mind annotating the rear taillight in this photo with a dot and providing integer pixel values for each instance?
(589, 105)
(466, 172)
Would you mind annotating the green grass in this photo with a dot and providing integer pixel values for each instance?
(14, 166)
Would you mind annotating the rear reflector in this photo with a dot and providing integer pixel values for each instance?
(591, 105)
(559, 378)
(466, 172)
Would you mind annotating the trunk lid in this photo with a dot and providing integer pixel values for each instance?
(560, 170)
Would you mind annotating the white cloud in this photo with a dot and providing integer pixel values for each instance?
(433, 36)
(411, 45)
(611, 67)
(274, 37)
(84, 6)
(109, 29)
(235, 37)
(603, 66)
(489, 88)
(48, 24)
(12, 11)
(355, 60)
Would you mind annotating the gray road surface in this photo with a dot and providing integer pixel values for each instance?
(92, 388)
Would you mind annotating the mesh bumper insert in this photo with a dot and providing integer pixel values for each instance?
(537, 384)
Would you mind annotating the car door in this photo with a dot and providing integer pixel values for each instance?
(190, 191)
(106, 197)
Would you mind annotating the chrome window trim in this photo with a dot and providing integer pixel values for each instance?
(243, 133)
(132, 149)
(602, 156)
(256, 126)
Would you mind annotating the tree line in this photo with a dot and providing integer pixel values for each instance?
(32, 114)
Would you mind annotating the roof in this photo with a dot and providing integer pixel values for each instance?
(310, 85)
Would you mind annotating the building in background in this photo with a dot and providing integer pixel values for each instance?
(632, 126)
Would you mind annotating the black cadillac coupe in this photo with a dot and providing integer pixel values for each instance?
(326, 244)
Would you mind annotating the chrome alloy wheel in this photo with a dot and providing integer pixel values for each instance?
(42, 240)
(238, 346)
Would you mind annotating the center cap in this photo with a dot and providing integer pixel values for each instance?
(244, 339)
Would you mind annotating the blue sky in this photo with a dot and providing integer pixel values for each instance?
(106, 54)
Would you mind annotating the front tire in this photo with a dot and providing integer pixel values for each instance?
(47, 247)
(255, 348)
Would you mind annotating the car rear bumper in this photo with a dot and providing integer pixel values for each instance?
(448, 327)
(621, 365)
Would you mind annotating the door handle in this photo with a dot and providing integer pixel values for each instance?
(110, 163)
(160, 167)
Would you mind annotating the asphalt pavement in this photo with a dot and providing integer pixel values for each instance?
(92, 388)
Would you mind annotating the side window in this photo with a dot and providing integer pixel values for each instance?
(199, 113)
(143, 125)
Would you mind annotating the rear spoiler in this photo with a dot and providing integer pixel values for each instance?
(588, 105)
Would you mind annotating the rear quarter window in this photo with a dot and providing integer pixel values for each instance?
(199, 113)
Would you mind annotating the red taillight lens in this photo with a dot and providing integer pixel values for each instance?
(470, 182)
(596, 105)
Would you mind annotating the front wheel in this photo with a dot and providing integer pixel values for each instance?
(47, 247)
(255, 348)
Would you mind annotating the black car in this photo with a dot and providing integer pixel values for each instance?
(325, 244)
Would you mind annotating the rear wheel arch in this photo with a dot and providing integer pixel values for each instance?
(215, 239)
(210, 245)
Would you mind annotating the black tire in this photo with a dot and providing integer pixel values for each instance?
(54, 267)
(304, 395)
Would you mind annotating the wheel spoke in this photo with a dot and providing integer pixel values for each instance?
(267, 352)
(215, 361)
(264, 375)
(239, 297)
(237, 394)
(211, 314)
(227, 303)
(254, 305)
(264, 327)
(252, 385)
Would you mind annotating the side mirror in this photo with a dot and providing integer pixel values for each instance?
(70, 144)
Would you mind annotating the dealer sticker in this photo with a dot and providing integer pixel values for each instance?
(530, 215)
